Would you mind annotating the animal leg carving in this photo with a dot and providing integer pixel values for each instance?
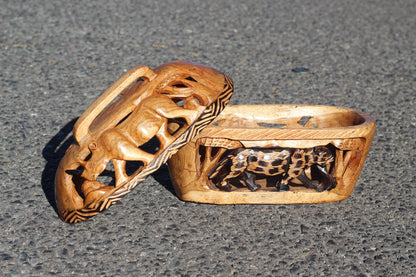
(328, 181)
(225, 183)
(120, 171)
(167, 108)
(283, 184)
(249, 180)
(164, 137)
(312, 184)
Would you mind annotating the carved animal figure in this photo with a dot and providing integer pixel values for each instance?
(285, 164)
(150, 118)
(171, 104)
(122, 142)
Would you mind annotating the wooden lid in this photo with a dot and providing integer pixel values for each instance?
(171, 104)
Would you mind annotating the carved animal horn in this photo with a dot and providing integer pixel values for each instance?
(82, 125)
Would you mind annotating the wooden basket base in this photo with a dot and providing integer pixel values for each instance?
(319, 153)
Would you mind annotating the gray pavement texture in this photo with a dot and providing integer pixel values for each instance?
(58, 56)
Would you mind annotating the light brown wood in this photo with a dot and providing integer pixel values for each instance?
(268, 154)
(341, 136)
(170, 105)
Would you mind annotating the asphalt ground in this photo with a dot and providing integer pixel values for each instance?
(57, 57)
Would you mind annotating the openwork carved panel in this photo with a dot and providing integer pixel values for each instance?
(249, 154)
(132, 129)
(280, 168)
(274, 154)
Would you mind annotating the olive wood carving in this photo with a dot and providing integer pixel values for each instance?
(274, 154)
(171, 103)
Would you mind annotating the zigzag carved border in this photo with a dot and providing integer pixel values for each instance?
(207, 116)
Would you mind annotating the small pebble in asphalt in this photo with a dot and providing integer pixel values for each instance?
(300, 70)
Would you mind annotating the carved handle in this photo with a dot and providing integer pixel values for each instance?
(81, 128)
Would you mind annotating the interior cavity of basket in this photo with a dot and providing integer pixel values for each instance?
(229, 165)
(230, 168)
(343, 118)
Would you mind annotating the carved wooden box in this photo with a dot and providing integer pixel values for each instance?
(249, 154)
(271, 154)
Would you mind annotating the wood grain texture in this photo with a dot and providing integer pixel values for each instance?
(348, 132)
(170, 104)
